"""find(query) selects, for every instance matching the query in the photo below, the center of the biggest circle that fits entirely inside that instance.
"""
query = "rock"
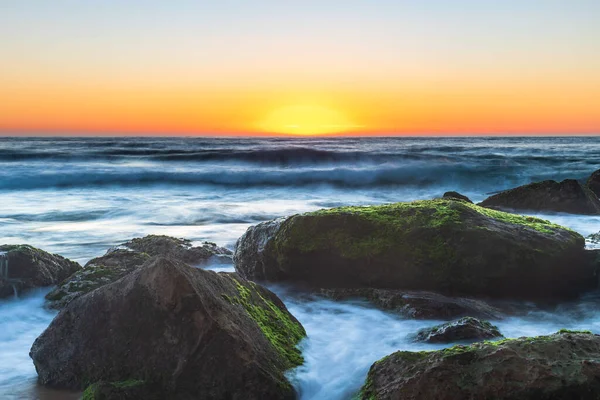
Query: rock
(456, 196)
(593, 183)
(446, 246)
(24, 267)
(464, 329)
(418, 305)
(560, 366)
(184, 331)
(568, 196)
(594, 238)
(97, 272)
(122, 260)
(125, 390)
(181, 249)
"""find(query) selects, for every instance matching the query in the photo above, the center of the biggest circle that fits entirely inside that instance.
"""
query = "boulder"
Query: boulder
(180, 249)
(593, 183)
(464, 329)
(560, 366)
(97, 272)
(568, 196)
(185, 332)
(121, 260)
(456, 196)
(418, 304)
(24, 267)
(446, 246)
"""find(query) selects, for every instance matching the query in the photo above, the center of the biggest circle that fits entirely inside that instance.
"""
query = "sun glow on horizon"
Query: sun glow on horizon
(307, 120)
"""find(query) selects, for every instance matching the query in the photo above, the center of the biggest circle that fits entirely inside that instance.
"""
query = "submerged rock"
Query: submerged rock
(185, 332)
(456, 196)
(447, 246)
(464, 329)
(560, 366)
(568, 196)
(593, 183)
(418, 304)
(124, 259)
(24, 267)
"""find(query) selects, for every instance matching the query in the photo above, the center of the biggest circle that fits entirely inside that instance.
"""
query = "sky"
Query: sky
(299, 67)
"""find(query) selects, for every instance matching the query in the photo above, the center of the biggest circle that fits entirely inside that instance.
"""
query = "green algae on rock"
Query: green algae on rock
(443, 245)
(184, 331)
(122, 260)
(25, 267)
(564, 365)
(97, 272)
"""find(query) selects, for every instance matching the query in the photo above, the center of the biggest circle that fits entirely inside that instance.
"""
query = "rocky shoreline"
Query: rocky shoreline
(146, 321)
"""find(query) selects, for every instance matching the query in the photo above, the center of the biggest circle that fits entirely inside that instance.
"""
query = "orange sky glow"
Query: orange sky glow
(503, 69)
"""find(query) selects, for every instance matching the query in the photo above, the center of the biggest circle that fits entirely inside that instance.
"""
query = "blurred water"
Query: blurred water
(78, 197)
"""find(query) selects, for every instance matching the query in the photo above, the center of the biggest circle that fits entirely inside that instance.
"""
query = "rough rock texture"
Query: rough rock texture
(25, 267)
(125, 390)
(418, 305)
(446, 246)
(464, 329)
(456, 196)
(568, 196)
(192, 333)
(561, 366)
(97, 272)
(122, 260)
(181, 249)
(593, 183)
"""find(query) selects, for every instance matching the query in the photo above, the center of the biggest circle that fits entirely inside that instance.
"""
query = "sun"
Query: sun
(306, 120)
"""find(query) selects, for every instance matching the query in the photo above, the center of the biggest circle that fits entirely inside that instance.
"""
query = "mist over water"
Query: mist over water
(78, 197)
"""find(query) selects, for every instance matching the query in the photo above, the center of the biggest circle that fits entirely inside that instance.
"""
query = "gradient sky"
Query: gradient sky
(240, 67)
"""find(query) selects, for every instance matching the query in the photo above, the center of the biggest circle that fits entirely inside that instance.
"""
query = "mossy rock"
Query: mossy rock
(126, 258)
(25, 267)
(444, 245)
(564, 365)
(187, 332)
(568, 196)
(180, 249)
(97, 272)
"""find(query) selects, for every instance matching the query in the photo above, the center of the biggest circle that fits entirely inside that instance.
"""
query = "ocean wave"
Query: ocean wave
(417, 174)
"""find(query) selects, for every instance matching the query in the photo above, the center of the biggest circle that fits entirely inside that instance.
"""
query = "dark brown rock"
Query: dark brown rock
(192, 333)
(444, 246)
(593, 183)
(24, 267)
(568, 196)
(456, 196)
(418, 305)
(97, 272)
(560, 366)
(465, 329)
(122, 260)
(180, 249)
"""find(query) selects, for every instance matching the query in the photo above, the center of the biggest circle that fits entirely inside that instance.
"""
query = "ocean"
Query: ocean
(79, 196)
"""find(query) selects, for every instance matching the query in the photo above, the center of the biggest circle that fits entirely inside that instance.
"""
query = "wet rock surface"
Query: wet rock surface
(189, 332)
(445, 246)
(24, 267)
(560, 366)
(122, 260)
(464, 329)
(417, 304)
(568, 196)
